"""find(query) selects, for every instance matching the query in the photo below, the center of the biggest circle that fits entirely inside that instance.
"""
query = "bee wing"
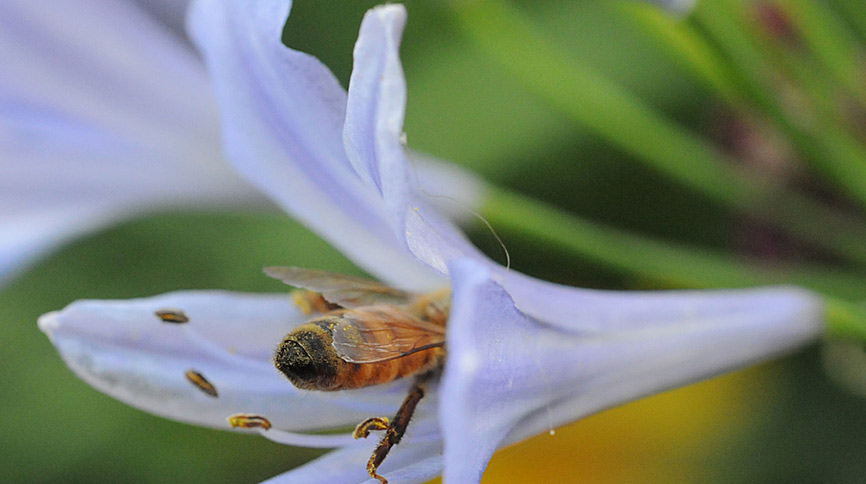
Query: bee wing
(347, 291)
(381, 333)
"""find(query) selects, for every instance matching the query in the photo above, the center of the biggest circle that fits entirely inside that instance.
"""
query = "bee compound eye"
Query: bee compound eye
(294, 362)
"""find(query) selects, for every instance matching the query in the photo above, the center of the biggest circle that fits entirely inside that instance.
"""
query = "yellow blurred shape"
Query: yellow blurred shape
(666, 438)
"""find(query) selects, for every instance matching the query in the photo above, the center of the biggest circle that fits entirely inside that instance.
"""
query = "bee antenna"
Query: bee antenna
(461, 205)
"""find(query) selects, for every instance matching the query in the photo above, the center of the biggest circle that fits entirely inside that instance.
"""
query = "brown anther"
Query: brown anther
(174, 316)
(201, 383)
(249, 421)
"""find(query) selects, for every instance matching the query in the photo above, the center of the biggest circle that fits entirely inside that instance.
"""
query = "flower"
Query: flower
(103, 114)
(524, 355)
(109, 114)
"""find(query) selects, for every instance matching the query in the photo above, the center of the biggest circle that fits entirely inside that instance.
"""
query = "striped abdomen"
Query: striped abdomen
(309, 360)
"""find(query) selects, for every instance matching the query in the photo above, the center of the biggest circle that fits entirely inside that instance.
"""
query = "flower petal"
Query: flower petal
(377, 104)
(509, 376)
(588, 310)
(282, 114)
(373, 138)
(171, 13)
(102, 113)
(408, 463)
(124, 349)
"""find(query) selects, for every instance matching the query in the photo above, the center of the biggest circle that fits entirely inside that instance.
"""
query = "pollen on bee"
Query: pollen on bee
(310, 302)
(174, 316)
(249, 421)
(201, 383)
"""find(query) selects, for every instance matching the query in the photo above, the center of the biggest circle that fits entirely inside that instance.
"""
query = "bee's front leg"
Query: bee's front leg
(394, 429)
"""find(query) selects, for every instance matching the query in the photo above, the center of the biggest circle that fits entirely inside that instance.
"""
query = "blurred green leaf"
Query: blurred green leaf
(591, 100)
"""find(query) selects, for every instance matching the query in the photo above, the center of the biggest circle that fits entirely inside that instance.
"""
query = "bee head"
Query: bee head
(306, 356)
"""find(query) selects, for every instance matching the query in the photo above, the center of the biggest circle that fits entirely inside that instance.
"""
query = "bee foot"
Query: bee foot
(373, 423)
(379, 478)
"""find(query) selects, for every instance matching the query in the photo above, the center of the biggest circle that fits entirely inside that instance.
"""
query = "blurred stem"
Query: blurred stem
(666, 263)
(826, 119)
(624, 120)
(733, 41)
(845, 320)
(826, 146)
(829, 38)
(687, 47)
(855, 13)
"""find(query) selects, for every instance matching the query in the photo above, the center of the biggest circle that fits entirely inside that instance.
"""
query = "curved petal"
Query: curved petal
(282, 115)
(377, 104)
(373, 138)
(509, 376)
(408, 463)
(102, 113)
(123, 349)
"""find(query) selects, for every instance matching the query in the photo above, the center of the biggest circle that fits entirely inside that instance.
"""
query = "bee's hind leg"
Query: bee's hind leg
(394, 429)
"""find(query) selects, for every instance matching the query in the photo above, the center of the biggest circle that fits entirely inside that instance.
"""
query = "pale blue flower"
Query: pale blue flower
(107, 112)
(104, 113)
(524, 355)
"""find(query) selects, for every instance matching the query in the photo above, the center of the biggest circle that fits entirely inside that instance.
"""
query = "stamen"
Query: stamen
(178, 317)
(263, 426)
(222, 353)
(174, 316)
(313, 441)
(201, 382)
(249, 421)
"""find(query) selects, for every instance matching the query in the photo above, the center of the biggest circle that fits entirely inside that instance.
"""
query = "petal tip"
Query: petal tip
(48, 323)
(388, 11)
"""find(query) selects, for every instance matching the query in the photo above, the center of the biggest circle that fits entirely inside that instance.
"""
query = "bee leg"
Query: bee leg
(394, 430)
(373, 423)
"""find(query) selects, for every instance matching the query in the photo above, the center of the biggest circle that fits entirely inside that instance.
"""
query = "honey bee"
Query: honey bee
(369, 334)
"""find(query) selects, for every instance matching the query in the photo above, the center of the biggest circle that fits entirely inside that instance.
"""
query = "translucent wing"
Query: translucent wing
(347, 291)
(380, 333)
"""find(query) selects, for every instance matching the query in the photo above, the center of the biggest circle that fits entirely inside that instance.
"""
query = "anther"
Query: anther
(201, 382)
(174, 316)
(249, 421)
